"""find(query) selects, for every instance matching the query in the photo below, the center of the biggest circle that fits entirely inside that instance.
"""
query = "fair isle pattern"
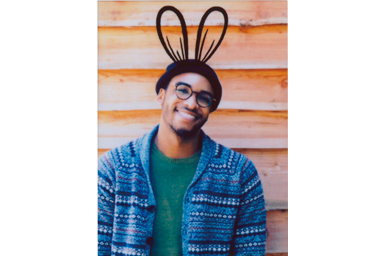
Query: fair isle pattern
(128, 251)
(210, 248)
(216, 200)
(212, 215)
(249, 231)
(223, 208)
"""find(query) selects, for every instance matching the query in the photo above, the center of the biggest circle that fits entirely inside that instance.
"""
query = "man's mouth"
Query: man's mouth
(187, 115)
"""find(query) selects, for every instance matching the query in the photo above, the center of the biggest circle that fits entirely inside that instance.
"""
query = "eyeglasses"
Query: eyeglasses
(184, 92)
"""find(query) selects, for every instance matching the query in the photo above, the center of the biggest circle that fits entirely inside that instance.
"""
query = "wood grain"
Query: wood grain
(272, 166)
(232, 128)
(263, 47)
(242, 89)
(277, 226)
(240, 13)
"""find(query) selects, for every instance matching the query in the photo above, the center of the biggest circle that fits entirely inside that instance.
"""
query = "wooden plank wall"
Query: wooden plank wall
(251, 64)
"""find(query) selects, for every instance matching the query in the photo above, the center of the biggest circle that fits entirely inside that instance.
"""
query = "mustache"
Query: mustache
(194, 111)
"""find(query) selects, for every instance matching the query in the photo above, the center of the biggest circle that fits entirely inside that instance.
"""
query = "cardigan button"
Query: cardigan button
(149, 240)
(151, 208)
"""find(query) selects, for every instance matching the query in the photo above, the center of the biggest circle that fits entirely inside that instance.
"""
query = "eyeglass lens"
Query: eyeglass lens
(184, 92)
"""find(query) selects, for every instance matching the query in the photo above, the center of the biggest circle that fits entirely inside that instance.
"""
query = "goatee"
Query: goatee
(188, 134)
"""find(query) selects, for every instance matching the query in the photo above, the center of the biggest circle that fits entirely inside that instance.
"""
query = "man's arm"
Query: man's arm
(106, 202)
(250, 230)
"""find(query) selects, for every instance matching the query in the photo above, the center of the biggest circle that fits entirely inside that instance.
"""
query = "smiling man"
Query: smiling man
(175, 191)
(185, 108)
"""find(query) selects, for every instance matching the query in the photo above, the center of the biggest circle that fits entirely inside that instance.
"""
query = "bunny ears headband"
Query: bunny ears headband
(181, 62)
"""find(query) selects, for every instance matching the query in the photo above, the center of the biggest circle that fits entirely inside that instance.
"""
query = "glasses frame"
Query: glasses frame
(197, 94)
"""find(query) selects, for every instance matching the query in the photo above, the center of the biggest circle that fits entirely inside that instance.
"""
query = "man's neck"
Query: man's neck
(171, 145)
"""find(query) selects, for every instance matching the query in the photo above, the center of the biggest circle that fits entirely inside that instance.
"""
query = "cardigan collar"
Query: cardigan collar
(207, 150)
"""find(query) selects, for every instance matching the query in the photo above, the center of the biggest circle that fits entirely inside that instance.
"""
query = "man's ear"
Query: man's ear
(161, 96)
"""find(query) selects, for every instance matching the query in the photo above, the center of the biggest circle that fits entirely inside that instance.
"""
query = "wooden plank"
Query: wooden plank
(272, 166)
(232, 128)
(277, 226)
(240, 13)
(242, 89)
(263, 47)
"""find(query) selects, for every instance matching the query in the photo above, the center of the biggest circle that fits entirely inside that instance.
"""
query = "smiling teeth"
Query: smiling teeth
(187, 115)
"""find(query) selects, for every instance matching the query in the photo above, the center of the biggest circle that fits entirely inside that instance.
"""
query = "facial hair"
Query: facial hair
(189, 134)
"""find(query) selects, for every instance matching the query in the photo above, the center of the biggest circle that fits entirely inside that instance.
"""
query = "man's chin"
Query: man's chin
(188, 133)
(185, 133)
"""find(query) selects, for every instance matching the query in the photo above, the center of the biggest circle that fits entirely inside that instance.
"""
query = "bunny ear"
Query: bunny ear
(184, 48)
(199, 50)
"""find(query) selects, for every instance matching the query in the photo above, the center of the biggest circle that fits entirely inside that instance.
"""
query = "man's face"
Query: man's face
(184, 117)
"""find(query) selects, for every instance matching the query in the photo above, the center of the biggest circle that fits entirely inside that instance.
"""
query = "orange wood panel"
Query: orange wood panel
(240, 13)
(277, 226)
(272, 166)
(242, 89)
(232, 128)
(263, 47)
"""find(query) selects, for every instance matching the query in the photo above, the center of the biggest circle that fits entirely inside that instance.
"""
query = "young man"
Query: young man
(175, 191)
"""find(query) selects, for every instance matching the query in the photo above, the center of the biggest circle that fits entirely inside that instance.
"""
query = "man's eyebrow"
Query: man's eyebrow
(179, 83)
(183, 83)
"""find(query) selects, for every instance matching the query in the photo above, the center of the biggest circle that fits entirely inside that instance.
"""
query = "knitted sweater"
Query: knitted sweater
(223, 207)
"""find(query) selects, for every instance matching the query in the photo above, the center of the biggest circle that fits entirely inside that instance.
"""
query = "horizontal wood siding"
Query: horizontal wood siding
(252, 65)
(253, 89)
(277, 226)
(233, 128)
(136, 14)
(263, 47)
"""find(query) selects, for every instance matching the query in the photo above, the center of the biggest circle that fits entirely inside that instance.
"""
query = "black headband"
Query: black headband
(181, 63)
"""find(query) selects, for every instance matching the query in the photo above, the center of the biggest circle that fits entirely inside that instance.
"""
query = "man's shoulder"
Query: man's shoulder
(225, 155)
(132, 149)
(125, 154)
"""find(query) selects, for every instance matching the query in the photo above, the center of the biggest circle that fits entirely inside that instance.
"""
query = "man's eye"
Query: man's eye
(205, 99)
(185, 91)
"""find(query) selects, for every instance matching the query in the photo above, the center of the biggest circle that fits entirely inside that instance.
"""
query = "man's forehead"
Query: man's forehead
(195, 80)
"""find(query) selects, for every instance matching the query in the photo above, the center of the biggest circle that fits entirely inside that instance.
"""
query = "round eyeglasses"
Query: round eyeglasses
(184, 92)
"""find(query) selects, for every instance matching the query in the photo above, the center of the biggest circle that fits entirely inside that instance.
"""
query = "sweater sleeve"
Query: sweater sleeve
(250, 230)
(106, 202)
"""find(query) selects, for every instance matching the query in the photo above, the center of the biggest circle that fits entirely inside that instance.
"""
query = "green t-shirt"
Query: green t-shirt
(170, 179)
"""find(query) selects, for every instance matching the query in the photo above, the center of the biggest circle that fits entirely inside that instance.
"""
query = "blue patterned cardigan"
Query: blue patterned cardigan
(223, 208)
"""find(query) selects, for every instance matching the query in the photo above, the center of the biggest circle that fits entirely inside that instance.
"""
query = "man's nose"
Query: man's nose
(191, 102)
